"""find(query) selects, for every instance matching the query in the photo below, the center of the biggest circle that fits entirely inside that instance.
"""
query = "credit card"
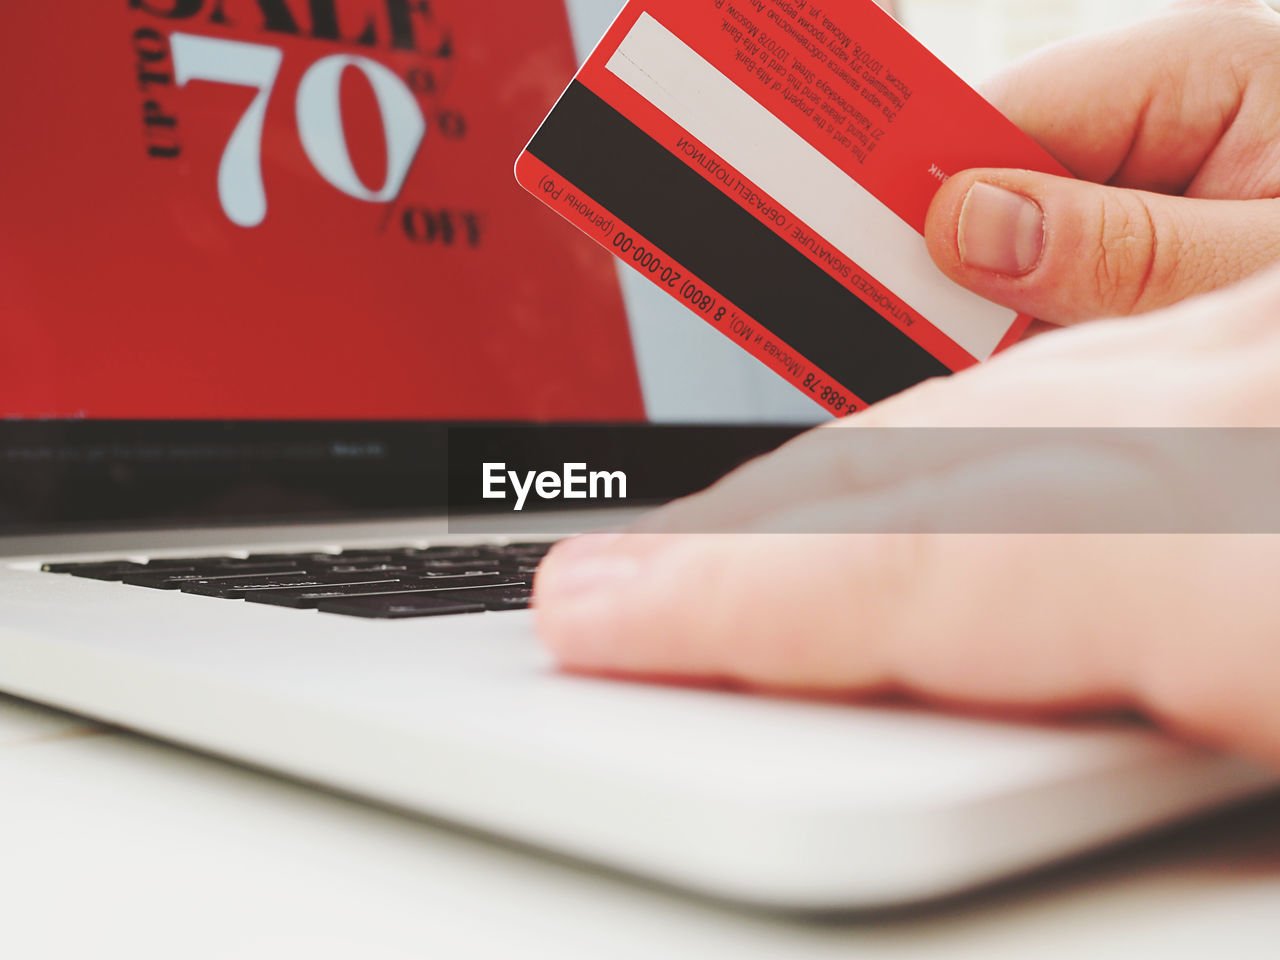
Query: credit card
(770, 164)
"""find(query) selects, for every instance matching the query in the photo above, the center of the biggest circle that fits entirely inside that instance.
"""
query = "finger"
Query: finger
(949, 618)
(1067, 250)
(1057, 482)
(852, 457)
(1144, 106)
(1180, 626)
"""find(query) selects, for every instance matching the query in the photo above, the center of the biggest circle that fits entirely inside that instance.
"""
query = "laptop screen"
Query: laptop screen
(274, 209)
(250, 249)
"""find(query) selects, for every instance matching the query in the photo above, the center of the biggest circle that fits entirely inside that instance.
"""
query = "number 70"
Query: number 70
(319, 116)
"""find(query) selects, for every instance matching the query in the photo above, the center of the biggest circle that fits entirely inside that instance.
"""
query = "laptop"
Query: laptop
(270, 297)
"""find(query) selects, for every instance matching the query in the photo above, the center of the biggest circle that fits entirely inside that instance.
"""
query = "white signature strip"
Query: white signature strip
(664, 70)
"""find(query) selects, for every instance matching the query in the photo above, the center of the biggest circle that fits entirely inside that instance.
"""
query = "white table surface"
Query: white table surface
(115, 846)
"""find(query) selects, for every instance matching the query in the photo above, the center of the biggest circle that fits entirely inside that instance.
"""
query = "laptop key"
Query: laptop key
(340, 560)
(175, 579)
(308, 598)
(121, 572)
(445, 553)
(234, 588)
(519, 569)
(367, 568)
(232, 565)
(102, 566)
(240, 589)
(503, 599)
(401, 606)
(447, 567)
(529, 549)
(166, 563)
(447, 603)
(300, 558)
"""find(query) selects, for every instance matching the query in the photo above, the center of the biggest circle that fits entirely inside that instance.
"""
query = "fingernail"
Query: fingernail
(584, 566)
(1001, 231)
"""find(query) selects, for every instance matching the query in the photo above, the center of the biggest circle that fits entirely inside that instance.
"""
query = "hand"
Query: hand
(1182, 627)
(1180, 117)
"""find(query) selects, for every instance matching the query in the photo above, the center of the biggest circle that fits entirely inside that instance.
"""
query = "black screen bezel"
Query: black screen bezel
(92, 475)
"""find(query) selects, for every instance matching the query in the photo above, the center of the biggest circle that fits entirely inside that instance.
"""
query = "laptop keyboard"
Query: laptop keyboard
(379, 584)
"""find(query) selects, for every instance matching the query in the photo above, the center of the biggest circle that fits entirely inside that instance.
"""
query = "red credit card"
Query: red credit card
(770, 163)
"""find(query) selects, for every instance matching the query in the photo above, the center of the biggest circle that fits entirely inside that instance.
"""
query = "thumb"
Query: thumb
(1068, 250)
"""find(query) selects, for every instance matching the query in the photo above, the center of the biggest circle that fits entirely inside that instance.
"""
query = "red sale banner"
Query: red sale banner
(268, 209)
